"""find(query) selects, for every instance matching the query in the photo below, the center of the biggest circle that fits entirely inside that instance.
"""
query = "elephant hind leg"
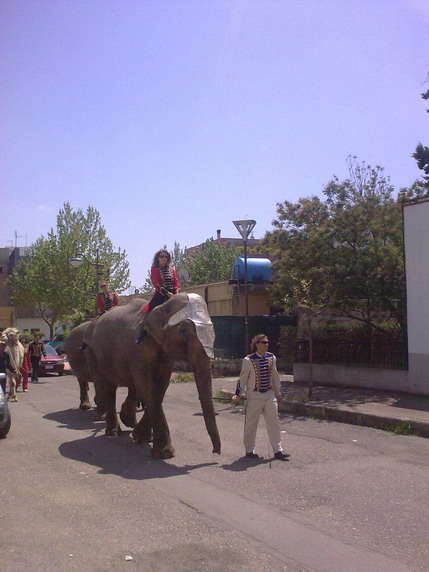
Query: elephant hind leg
(84, 395)
(108, 401)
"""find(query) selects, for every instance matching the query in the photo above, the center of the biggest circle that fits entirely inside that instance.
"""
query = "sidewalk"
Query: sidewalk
(399, 412)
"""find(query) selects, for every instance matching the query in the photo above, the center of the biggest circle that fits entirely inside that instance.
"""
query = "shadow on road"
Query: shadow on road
(73, 418)
(244, 464)
(114, 455)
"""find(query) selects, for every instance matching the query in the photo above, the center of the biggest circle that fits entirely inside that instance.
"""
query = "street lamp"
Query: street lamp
(81, 258)
(245, 227)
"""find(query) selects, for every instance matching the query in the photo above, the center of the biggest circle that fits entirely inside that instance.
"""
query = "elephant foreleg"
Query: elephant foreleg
(157, 386)
(128, 409)
(162, 447)
(143, 430)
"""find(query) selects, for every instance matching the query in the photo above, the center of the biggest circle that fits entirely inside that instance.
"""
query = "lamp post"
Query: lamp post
(80, 259)
(245, 227)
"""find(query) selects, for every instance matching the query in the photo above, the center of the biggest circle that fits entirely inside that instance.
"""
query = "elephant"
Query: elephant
(78, 360)
(179, 329)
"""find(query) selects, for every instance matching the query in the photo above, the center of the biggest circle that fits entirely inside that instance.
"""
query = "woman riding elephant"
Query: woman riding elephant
(179, 329)
(165, 282)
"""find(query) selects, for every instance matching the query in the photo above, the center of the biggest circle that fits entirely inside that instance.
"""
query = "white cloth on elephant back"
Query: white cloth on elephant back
(197, 312)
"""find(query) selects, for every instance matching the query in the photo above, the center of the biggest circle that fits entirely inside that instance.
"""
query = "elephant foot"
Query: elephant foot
(166, 453)
(128, 418)
(142, 437)
(85, 406)
(115, 432)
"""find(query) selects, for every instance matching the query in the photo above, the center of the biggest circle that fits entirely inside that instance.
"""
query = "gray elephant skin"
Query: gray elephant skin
(112, 359)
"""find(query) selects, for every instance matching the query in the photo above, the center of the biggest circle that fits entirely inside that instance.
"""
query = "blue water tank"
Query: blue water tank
(258, 269)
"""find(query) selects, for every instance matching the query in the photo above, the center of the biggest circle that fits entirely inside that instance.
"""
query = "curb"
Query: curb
(402, 425)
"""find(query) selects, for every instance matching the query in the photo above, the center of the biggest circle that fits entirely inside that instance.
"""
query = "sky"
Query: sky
(173, 118)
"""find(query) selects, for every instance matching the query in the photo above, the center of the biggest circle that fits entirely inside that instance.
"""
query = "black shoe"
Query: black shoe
(281, 456)
(252, 455)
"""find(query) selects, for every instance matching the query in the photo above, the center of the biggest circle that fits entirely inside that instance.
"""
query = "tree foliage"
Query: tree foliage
(347, 249)
(213, 262)
(421, 154)
(45, 281)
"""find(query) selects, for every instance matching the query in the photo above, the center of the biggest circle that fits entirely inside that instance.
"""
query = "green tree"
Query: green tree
(421, 154)
(349, 246)
(45, 281)
(213, 262)
(309, 297)
(177, 256)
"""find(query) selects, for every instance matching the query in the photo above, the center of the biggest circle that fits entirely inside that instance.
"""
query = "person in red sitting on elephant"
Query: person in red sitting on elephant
(106, 299)
(165, 282)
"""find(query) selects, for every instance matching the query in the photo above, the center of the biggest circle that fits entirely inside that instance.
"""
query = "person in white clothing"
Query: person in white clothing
(260, 382)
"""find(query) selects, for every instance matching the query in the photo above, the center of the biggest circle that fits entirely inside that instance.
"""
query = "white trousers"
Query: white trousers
(264, 403)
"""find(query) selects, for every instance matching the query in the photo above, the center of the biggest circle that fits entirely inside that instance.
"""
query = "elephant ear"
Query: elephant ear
(158, 319)
(196, 311)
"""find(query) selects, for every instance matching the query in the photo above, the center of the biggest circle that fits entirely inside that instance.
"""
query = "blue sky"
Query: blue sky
(174, 118)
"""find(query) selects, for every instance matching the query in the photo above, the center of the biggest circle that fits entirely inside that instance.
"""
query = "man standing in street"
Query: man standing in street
(260, 381)
(37, 349)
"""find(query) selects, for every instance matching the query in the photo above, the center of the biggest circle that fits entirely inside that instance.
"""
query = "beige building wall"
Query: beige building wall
(224, 299)
(7, 317)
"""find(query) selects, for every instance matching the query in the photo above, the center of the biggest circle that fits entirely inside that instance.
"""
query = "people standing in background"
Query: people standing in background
(36, 349)
(260, 382)
(26, 366)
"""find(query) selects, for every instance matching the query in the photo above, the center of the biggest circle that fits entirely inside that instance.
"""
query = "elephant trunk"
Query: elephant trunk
(203, 379)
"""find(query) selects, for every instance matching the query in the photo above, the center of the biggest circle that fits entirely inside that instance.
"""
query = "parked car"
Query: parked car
(52, 363)
(5, 418)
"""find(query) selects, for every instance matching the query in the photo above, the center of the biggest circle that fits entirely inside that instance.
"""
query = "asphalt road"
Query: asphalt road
(350, 498)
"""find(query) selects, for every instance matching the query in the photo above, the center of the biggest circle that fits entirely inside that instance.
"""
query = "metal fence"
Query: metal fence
(382, 353)
(230, 333)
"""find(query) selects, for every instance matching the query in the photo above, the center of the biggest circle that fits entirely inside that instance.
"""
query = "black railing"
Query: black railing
(382, 353)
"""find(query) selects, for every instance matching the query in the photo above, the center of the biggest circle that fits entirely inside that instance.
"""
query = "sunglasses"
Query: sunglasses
(162, 256)
(264, 342)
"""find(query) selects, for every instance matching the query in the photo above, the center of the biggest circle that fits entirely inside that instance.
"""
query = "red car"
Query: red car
(52, 363)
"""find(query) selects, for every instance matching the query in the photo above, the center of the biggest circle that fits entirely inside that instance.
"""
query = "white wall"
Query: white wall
(416, 235)
(33, 324)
